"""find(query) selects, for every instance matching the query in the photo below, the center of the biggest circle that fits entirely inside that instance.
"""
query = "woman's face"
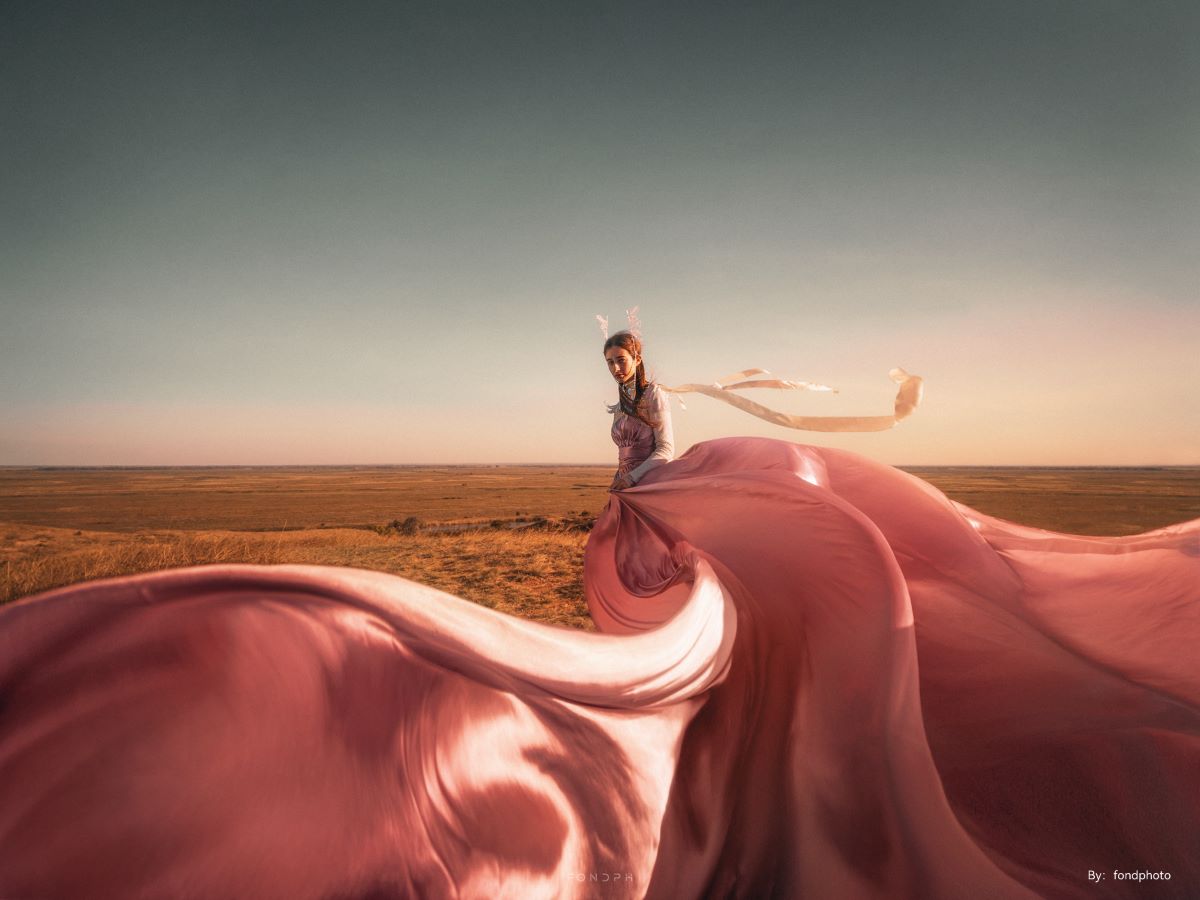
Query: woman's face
(621, 363)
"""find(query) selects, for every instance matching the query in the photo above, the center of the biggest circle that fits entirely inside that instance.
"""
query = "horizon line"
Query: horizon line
(607, 465)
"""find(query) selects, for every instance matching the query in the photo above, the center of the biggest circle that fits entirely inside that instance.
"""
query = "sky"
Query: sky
(293, 233)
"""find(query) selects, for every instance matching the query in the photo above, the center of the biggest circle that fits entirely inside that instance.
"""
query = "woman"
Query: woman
(1052, 718)
(641, 426)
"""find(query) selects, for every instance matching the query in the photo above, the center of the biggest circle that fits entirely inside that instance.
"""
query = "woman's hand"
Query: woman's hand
(620, 482)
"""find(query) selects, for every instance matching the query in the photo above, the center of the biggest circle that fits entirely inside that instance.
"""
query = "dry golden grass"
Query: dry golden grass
(59, 527)
(252, 499)
(532, 573)
(1081, 501)
(1075, 501)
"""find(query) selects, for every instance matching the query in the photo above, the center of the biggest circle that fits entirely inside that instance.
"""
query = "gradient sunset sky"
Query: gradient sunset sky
(277, 233)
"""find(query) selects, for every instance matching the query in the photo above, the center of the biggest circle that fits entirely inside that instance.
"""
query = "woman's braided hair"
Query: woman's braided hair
(631, 344)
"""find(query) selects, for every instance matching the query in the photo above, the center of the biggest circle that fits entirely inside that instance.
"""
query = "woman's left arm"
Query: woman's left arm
(664, 435)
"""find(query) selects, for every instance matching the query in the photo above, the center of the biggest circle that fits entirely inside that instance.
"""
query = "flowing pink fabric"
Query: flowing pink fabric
(818, 677)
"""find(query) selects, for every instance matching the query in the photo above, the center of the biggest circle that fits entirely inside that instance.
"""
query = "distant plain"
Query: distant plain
(523, 551)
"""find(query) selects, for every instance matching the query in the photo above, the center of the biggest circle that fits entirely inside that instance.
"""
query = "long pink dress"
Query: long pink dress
(817, 677)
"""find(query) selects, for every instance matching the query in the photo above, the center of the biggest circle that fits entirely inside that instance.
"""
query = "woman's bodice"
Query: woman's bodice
(642, 447)
(634, 440)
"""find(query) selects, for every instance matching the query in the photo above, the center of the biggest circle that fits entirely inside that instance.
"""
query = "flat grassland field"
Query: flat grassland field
(509, 537)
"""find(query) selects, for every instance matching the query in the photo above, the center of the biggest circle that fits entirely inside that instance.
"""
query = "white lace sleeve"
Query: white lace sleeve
(664, 438)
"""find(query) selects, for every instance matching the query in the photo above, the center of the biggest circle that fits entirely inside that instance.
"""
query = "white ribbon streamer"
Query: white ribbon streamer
(908, 398)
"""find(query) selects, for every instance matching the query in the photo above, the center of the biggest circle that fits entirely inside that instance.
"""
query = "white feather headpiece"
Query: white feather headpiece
(631, 316)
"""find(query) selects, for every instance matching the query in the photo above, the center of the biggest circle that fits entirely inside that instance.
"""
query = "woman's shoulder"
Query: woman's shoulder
(654, 393)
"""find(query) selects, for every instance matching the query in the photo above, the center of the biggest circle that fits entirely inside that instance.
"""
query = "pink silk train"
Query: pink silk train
(817, 677)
